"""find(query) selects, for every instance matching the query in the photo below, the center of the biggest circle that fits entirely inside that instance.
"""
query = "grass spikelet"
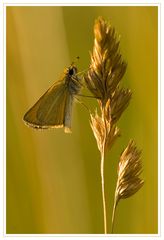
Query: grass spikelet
(129, 170)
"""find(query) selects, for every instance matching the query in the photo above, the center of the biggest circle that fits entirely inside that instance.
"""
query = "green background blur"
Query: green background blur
(53, 178)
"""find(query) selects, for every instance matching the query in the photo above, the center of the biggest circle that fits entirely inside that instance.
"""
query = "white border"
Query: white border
(117, 3)
(3, 5)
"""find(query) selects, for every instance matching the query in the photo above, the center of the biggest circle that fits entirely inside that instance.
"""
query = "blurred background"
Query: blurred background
(53, 178)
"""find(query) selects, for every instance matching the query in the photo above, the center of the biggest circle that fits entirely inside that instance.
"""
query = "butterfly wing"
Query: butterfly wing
(49, 110)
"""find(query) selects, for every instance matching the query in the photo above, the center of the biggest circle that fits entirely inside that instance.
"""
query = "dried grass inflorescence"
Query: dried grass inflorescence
(129, 170)
(103, 77)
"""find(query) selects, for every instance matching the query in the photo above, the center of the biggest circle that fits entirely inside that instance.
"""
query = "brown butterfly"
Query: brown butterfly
(54, 108)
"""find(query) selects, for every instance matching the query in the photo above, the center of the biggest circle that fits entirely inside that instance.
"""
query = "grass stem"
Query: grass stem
(113, 216)
(103, 190)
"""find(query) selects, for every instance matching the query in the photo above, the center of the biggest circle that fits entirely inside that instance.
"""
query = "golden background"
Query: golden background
(53, 178)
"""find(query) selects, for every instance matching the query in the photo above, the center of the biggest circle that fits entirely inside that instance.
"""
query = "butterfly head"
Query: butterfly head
(72, 70)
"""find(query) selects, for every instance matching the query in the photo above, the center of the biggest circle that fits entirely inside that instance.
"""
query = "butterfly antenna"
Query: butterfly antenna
(76, 60)
(81, 72)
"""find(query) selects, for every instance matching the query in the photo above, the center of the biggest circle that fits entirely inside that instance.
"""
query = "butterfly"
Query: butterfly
(54, 107)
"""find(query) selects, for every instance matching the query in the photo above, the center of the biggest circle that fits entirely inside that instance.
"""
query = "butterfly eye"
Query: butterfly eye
(71, 71)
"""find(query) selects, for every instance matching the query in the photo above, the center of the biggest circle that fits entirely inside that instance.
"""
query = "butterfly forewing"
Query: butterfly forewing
(49, 110)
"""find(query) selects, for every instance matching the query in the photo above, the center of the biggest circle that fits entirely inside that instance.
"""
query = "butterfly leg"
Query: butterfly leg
(82, 104)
